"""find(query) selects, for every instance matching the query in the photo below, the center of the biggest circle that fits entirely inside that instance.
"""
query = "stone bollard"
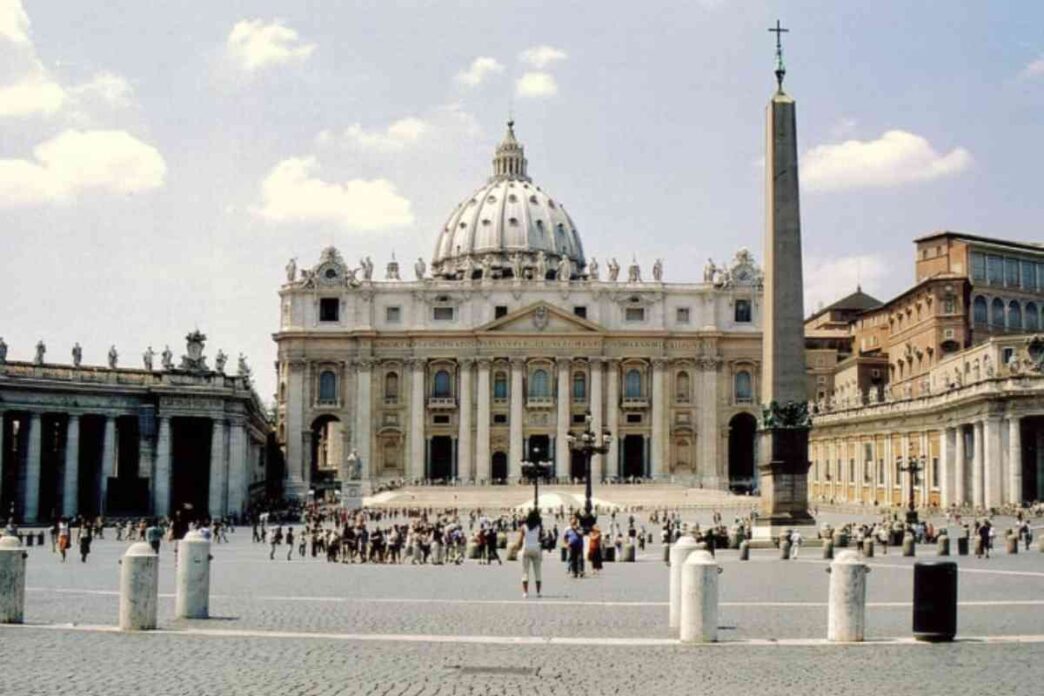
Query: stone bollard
(680, 553)
(868, 547)
(978, 545)
(473, 551)
(828, 549)
(784, 550)
(502, 540)
(744, 549)
(942, 545)
(840, 539)
(630, 552)
(12, 580)
(192, 578)
(909, 548)
(512, 553)
(667, 554)
(846, 622)
(699, 599)
(139, 584)
(1011, 543)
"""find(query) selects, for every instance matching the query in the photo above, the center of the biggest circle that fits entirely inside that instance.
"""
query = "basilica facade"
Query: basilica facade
(496, 351)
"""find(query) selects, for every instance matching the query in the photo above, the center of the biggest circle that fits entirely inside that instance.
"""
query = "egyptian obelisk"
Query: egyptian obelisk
(783, 441)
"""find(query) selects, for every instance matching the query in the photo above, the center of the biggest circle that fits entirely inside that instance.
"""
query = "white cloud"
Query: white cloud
(76, 162)
(14, 22)
(480, 68)
(897, 157)
(1034, 70)
(395, 137)
(536, 84)
(107, 87)
(292, 193)
(828, 279)
(540, 57)
(253, 44)
(31, 96)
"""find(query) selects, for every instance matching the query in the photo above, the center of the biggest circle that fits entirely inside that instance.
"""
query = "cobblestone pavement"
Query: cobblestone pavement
(308, 627)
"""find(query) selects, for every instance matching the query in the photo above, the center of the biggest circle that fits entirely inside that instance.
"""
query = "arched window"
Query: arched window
(979, 310)
(539, 386)
(391, 385)
(1015, 315)
(742, 311)
(579, 386)
(1032, 318)
(441, 385)
(500, 386)
(681, 388)
(633, 384)
(327, 387)
(997, 313)
(744, 388)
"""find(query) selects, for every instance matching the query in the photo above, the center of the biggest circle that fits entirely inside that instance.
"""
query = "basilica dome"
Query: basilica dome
(510, 226)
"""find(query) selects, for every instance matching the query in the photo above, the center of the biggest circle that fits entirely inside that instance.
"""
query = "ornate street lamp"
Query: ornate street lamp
(589, 443)
(535, 471)
(913, 467)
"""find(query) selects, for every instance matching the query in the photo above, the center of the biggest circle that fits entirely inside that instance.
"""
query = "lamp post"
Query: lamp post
(534, 471)
(589, 443)
(913, 467)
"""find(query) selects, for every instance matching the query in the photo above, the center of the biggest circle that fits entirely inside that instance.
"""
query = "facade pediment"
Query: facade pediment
(540, 317)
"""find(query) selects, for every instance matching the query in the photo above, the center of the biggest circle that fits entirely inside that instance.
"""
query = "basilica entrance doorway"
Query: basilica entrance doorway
(577, 470)
(440, 460)
(1032, 463)
(190, 466)
(327, 456)
(633, 465)
(499, 468)
(742, 431)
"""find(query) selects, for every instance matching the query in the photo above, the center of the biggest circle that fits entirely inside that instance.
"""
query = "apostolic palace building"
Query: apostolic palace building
(494, 352)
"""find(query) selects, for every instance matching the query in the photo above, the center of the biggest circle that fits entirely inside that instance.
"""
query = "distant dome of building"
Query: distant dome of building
(507, 227)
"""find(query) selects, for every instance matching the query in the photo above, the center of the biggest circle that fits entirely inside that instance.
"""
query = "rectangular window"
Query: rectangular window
(935, 472)
(329, 309)
(1007, 355)
(499, 311)
(1011, 272)
(440, 420)
(742, 312)
(580, 311)
(851, 471)
(949, 305)
(579, 419)
(682, 315)
(868, 462)
(1029, 275)
(1040, 276)
(634, 418)
(994, 270)
(442, 313)
(499, 418)
(880, 472)
(978, 266)
(634, 314)
(393, 315)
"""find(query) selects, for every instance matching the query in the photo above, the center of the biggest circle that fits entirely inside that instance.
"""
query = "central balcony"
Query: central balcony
(540, 402)
(441, 403)
(634, 402)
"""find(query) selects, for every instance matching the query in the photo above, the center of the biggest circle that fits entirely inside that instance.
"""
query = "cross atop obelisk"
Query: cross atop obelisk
(781, 70)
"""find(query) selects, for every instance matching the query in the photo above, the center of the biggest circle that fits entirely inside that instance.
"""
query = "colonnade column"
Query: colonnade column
(992, 463)
(71, 484)
(905, 473)
(417, 444)
(31, 503)
(659, 437)
(612, 417)
(978, 484)
(515, 423)
(218, 468)
(889, 470)
(1014, 460)
(483, 471)
(363, 431)
(161, 486)
(595, 402)
(108, 461)
(465, 468)
(946, 469)
(562, 452)
(297, 453)
(960, 462)
(237, 467)
(926, 457)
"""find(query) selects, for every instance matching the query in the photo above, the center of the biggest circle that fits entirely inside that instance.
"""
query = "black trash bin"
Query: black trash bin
(565, 554)
(935, 601)
(962, 546)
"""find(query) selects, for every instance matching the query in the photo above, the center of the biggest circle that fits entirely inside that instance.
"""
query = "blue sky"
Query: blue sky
(160, 162)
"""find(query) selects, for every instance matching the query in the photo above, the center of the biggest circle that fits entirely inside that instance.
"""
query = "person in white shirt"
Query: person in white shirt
(795, 543)
(529, 541)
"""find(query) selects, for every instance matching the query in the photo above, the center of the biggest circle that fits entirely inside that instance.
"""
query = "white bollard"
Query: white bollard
(139, 584)
(847, 617)
(679, 554)
(699, 598)
(12, 580)
(192, 579)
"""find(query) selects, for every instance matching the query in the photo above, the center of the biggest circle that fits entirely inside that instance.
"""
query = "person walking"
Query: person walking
(594, 550)
(575, 543)
(289, 543)
(63, 537)
(795, 543)
(273, 541)
(529, 541)
(85, 545)
(153, 535)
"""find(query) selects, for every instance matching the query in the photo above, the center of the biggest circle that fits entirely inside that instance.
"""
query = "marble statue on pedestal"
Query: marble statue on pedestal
(147, 358)
(420, 268)
(614, 269)
(3, 351)
(291, 270)
(592, 269)
(113, 357)
(219, 361)
(41, 350)
(634, 272)
(167, 358)
(658, 270)
(77, 354)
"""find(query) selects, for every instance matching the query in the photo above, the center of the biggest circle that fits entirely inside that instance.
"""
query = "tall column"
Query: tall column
(945, 468)
(595, 403)
(709, 467)
(889, 470)
(31, 502)
(298, 453)
(659, 435)
(237, 468)
(482, 457)
(978, 477)
(363, 431)
(612, 417)
(465, 448)
(926, 458)
(218, 499)
(1014, 460)
(993, 482)
(960, 464)
(161, 486)
(515, 430)
(418, 446)
(562, 400)
(107, 467)
(71, 485)
(904, 478)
